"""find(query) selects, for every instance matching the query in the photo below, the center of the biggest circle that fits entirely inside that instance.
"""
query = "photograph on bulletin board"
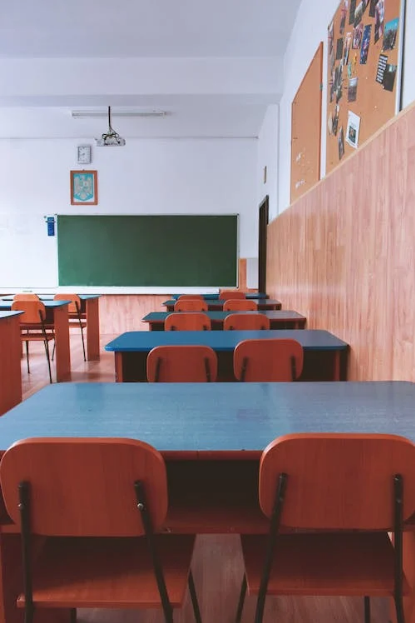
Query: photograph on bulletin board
(364, 47)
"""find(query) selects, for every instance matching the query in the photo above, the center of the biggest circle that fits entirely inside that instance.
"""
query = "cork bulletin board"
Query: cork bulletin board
(306, 129)
(364, 73)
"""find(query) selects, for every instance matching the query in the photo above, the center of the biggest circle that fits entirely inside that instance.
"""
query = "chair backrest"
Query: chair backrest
(34, 311)
(84, 487)
(268, 360)
(75, 304)
(240, 305)
(26, 296)
(338, 481)
(199, 305)
(240, 322)
(224, 295)
(190, 297)
(187, 321)
(182, 364)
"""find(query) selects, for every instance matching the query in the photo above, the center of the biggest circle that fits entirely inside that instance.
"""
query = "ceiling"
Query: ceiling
(219, 30)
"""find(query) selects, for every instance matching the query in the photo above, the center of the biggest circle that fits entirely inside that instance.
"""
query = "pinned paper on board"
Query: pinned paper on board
(353, 127)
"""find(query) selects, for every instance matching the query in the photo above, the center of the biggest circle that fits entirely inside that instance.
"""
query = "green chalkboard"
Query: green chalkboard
(159, 250)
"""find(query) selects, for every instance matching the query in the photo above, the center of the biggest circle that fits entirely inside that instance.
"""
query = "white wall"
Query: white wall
(145, 177)
(309, 30)
(268, 157)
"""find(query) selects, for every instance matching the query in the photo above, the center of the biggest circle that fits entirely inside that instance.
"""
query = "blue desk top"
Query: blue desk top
(221, 340)
(272, 314)
(219, 302)
(49, 297)
(9, 314)
(5, 305)
(211, 416)
(214, 297)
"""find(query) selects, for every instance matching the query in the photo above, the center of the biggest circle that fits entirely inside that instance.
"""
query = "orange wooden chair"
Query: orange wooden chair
(224, 295)
(191, 297)
(268, 360)
(98, 503)
(191, 321)
(251, 322)
(198, 305)
(33, 327)
(182, 364)
(76, 319)
(341, 494)
(26, 296)
(239, 305)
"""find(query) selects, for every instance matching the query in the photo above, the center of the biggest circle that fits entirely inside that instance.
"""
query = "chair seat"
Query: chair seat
(324, 564)
(109, 573)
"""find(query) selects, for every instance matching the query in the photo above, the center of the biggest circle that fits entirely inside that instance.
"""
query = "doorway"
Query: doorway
(262, 244)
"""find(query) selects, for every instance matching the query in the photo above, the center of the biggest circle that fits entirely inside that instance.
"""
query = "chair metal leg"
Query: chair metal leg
(193, 597)
(53, 351)
(83, 341)
(27, 356)
(400, 615)
(48, 358)
(241, 600)
(367, 609)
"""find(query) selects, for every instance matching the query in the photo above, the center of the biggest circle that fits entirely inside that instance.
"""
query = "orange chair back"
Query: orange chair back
(184, 297)
(240, 322)
(75, 301)
(70, 480)
(239, 305)
(224, 295)
(187, 321)
(198, 305)
(182, 364)
(34, 311)
(270, 360)
(338, 481)
(26, 296)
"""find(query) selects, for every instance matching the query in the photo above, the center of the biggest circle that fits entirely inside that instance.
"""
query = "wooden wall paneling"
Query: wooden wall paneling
(344, 254)
(306, 129)
(123, 312)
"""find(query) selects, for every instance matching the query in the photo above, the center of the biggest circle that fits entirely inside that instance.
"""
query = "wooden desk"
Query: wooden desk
(214, 296)
(56, 314)
(217, 304)
(280, 319)
(10, 369)
(89, 311)
(212, 447)
(325, 356)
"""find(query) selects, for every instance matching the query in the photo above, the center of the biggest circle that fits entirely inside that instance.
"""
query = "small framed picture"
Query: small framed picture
(84, 188)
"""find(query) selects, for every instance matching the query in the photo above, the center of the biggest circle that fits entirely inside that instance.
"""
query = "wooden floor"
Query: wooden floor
(217, 562)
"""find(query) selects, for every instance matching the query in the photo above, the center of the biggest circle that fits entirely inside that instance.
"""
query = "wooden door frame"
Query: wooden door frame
(263, 220)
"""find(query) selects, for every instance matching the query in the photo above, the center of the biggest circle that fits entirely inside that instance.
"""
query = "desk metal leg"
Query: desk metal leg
(92, 329)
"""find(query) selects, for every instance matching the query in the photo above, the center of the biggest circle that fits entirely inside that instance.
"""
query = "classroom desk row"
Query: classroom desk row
(279, 319)
(213, 296)
(212, 447)
(325, 355)
(217, 304)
